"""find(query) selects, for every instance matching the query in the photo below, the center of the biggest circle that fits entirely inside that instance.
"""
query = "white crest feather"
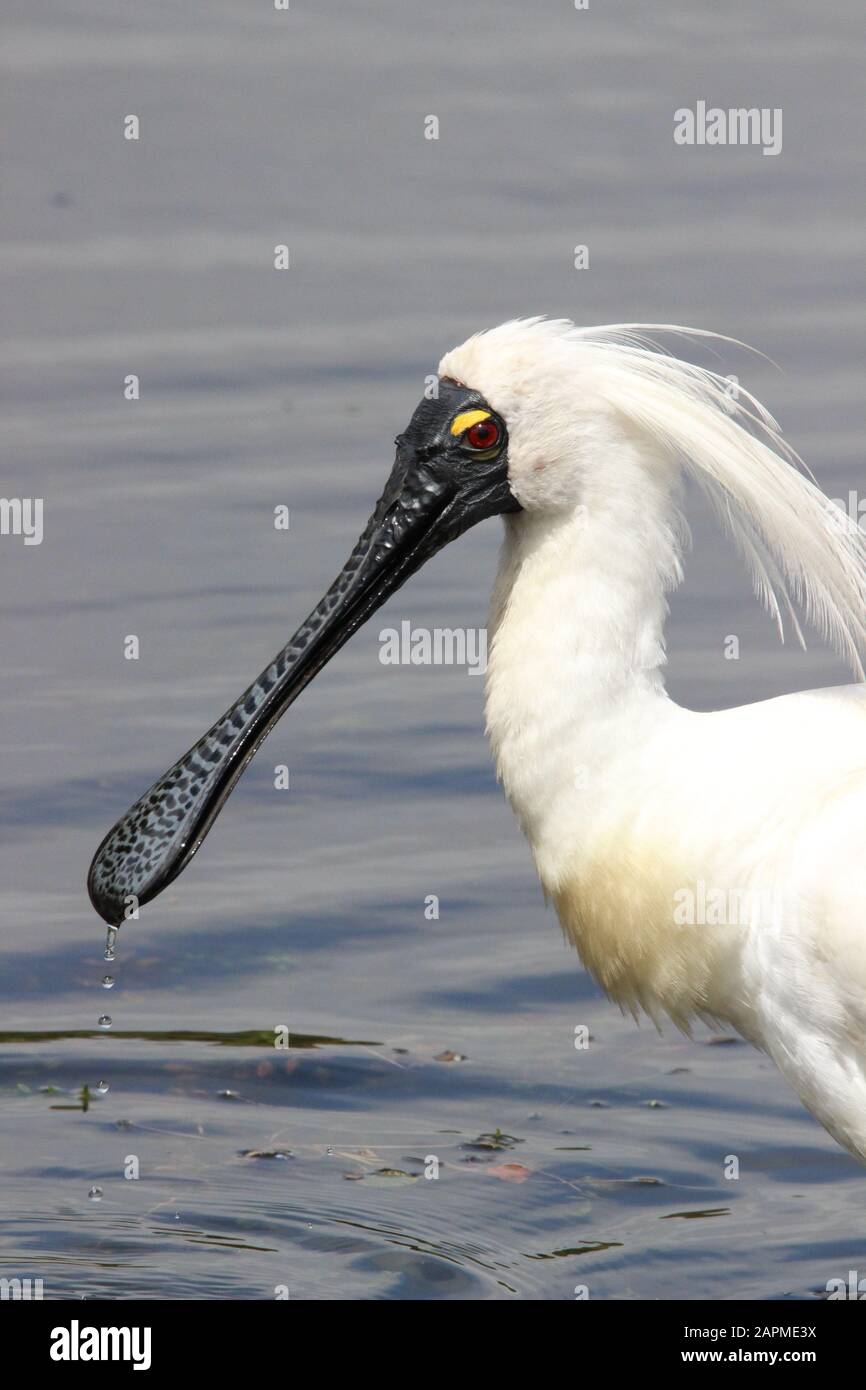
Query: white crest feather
(800, 548)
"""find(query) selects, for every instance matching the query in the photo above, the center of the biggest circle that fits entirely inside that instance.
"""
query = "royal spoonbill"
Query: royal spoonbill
(706, 866)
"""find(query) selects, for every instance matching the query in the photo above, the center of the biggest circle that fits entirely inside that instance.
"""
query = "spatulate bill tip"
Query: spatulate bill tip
(109, 899)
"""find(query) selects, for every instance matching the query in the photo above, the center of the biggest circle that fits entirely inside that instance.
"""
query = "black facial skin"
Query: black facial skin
(438, 488)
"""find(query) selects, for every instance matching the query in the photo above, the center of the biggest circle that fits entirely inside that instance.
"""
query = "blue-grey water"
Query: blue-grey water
(306, 907)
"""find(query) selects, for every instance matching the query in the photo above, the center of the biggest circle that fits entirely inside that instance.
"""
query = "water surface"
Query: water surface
(305, 909)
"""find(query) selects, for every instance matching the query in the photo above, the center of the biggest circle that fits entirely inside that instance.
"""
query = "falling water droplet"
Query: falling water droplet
(108, 982)
(95, 1194)
(110, 938)
(104, 1020)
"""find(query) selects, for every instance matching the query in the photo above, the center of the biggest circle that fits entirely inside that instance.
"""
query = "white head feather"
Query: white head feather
(569, 395)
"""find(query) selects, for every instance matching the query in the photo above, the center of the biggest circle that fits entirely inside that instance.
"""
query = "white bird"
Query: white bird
(705, 866)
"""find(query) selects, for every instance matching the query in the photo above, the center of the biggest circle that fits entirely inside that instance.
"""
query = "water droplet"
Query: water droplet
(110, 938)
(95, 1194)
(108, 982)
(104, 1020)
(101, 1089)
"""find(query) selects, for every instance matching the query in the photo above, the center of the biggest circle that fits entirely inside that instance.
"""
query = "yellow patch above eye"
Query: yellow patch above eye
(469, 417)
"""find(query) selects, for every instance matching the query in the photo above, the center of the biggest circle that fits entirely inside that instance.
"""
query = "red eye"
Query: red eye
(483, 435)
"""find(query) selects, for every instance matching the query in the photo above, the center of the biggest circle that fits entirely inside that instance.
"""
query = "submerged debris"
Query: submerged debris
(382, 1177)
(84, 1097)
(266, 1153)
(509, 1172)
(493, 1141)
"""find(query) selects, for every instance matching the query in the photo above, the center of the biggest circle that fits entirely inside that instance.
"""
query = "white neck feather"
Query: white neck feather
(577, 645)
